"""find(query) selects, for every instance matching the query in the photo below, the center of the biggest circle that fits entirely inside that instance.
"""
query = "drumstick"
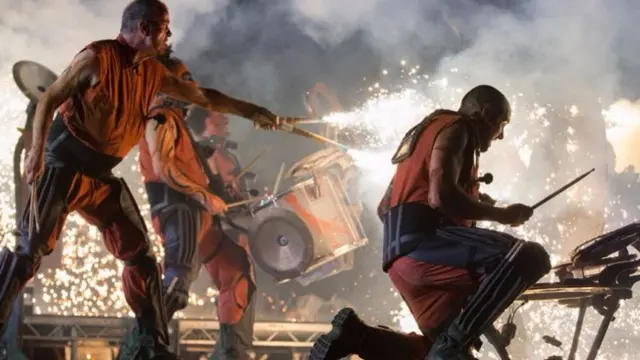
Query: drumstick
(253, 162)
(276, 186)
(309, 121)
(287, 126)
(565, 187)
(311, 135)
(34, 217)
(243, 202)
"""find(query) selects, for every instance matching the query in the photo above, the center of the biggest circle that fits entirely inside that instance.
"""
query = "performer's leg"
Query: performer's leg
(9, 349)
(115, 212)
(231, 272)
(434, 294)
(180, 226)
(522, 267)
(19, 266)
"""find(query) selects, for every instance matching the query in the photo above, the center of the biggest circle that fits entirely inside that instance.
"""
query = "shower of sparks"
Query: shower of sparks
(545, 147)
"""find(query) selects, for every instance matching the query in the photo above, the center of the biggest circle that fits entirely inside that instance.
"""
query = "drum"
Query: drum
(303, 232)
(596, 249)
(564, 292)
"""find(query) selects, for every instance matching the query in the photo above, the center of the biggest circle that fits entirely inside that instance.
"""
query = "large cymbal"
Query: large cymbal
(32, 78)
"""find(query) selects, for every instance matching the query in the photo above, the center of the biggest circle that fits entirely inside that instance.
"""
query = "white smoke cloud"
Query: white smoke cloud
(561, 62)
(53, 31)
(552, 53)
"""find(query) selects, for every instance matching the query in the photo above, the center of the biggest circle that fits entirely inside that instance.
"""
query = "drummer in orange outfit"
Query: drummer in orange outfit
(183, 210)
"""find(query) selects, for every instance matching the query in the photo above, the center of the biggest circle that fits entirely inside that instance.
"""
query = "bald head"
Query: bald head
(491, 111)
(487, 101)
(141, 10)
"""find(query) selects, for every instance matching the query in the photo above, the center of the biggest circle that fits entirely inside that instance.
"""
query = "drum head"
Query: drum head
(319, 160)
(280, 243)
(32, 78)
(546, 291)
(604, 245)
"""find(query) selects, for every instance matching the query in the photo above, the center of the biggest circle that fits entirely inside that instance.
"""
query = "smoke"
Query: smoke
(542, 53)
(560, 62)
(53, 31)
(623, 118)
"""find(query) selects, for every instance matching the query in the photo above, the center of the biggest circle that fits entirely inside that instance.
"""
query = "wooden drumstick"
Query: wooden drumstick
(286, 124)
(34, 217)
(565, 187)
(276, 186)
(248, 167)
(243, 202)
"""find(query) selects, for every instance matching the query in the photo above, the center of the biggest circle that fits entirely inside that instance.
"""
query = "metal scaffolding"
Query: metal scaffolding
(194, 336)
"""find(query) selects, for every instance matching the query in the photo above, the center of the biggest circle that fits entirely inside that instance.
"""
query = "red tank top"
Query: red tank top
(110, 116)
(411, 180)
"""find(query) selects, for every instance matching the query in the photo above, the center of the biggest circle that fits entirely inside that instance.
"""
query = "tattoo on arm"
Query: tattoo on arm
(169, 170)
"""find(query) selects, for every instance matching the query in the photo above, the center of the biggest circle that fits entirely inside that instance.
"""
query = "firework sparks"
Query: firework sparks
(84, 284)
(388, 114)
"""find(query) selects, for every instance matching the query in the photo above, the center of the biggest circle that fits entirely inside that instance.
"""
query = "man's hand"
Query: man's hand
(515, 215)
(34, 164)
(264, 119)
(215, 205)
(486, 199)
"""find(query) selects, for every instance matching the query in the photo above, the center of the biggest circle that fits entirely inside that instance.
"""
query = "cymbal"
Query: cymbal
(32, 78)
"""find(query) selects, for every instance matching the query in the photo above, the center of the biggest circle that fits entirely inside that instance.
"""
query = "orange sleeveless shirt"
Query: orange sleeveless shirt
(110, 117)
(173, 133)
(411, 180)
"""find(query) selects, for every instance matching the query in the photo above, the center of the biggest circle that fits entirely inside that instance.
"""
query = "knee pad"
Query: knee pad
(531, 260)
(523, 266)
(180, 226)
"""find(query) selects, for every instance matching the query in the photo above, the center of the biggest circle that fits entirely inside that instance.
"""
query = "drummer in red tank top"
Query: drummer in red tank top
(103, 99)
(455, 278)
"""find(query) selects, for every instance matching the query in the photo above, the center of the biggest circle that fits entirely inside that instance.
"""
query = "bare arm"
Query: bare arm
(445, 194)
(161, 140)
(487, 199)
(211, 99)
(81, 72)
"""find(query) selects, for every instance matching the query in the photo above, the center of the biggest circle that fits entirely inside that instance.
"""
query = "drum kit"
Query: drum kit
(600, 275)
(309, 231)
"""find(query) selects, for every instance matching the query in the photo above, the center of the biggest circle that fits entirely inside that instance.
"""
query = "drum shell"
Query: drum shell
(331, 229)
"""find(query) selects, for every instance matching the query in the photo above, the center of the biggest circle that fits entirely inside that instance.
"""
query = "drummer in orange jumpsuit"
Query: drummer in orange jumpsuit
(183, 210)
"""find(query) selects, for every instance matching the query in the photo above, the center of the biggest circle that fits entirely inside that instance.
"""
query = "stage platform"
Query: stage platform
(78, 334)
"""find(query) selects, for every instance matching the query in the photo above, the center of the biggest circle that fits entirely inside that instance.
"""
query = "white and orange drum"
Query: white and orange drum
(310, 231)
